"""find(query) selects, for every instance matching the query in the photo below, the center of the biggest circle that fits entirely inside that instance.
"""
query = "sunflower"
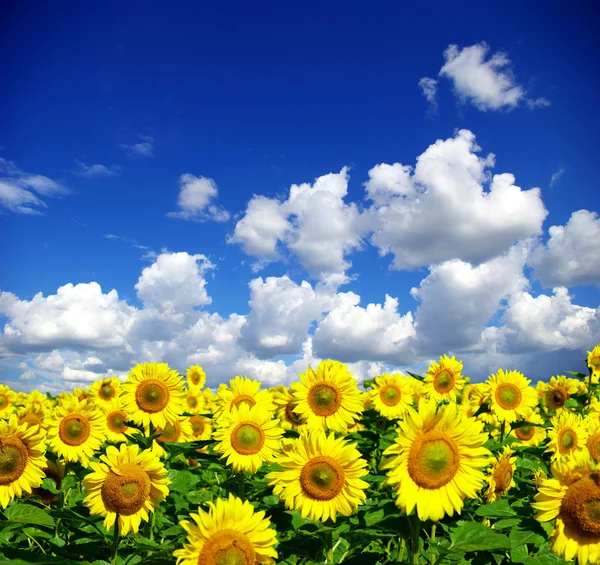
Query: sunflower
(38, 401)
(510, 395)
(126, 483)
(572, 497)
(392, 395)
(56, 472)
(114, 422)
(593, 363)
(285, 402)
(241, 390)
(532, 433)
(444, 380)
(76, 430)
(22, 459)
(7, 401)
(500, 477)
(82, 394)
(153, 394)
(33, 415)
(328, 398)
(558, 391)
(321, 476)
(436, 461)
(201, 427)
(593, 441)
(105, 390)
(195, 377)
(567, 435)
(230, 533)
(179, 431)
(248, 437)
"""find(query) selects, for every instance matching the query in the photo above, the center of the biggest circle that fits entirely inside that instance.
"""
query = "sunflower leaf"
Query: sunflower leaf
(27, 514)
(498, 509)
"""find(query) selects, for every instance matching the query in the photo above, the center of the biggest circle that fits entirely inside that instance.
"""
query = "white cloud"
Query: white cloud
(556, 177)
(96, 171)
(144, 148)
(195, 200)
(443, 210)
(28, 375)
(570, 256)
(429, 88)
(488, 84)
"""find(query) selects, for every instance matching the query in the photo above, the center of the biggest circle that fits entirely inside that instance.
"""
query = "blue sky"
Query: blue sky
(136, 137)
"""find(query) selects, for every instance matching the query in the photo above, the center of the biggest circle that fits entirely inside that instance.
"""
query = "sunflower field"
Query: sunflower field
(432, 469)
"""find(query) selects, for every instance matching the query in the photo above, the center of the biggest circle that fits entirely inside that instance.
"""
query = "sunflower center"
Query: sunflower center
(593, 445)
(115, 422)
(13, 459)
(556, 398)
(525, 433)
(107, 391)
(324, 399)
(390, 395)
(227, 547)
(126, 492)
(169, 434)
(508, 396)
(152, 396)
(580, 507)
(3, 401)
(198, 425)
(247, 438)
(46, 496)
(567, 441)
(32, 419)
(74, 429)
(433, 459)
(291, 415)
(444, 381)
(322, 478)
(243, 399)
(503, 475)
(195, 378)
(595, 362)
(192, 401)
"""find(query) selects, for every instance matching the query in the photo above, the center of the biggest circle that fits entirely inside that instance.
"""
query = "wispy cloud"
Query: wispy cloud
(556, 177)
(143, 148)
(429, 88)
(96, 171)
(149, 253)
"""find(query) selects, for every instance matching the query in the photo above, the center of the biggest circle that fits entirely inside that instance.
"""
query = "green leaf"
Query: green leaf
(27, 514)
(498, 509)
(571, 403)
(49, 484)
(374, 517)
(543, 559)
(473, 536)
(519, 538)
(297, 520)
(506, 523)
(182, 481)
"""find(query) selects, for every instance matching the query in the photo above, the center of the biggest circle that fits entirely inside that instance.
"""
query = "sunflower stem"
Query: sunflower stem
(590, 386)
(502, 431)
(431, 540)
(152, 522)
(416, 534)
(115, 542)
(242, 485)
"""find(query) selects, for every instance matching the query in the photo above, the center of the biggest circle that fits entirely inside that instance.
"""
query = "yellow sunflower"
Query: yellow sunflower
(114, 422)
(567, 435)
(38, 401)
(33, 415)
(153, 394)
(7, 401)
(500, 477)
(195, 377)
(418, 389)
(76, 430)
(179, 431)
(285, 402)
(533, 434)
(444, 380)
(593, 363)
(572, 497)
(126, 483)
(321, 476)
(392, 395)
(328, 398)
(436, 461)
(22, 460)
(230, 533)
(510, 395)
(248, 437)
(104, 391)
(592, 425)
(241, 390)
(201, 427)
(82, 394)
(558, 391)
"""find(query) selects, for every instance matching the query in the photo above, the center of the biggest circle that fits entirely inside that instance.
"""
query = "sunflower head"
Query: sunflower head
(592, 425)
(531, 432)
(201, 427)
(103, 391)
(195, 377)
(7, 400)
(593, 363)
(500, 477)
(56, 472)
(568, 435)
(179, 431)
(444, 379)
(286, 404)
(391, 395)
(115, 419)
(510, 395)
(241, 391)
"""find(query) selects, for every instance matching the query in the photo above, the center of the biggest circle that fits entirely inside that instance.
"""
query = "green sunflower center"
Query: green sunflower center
(324, 399)
(227, 547)
(116, 422)
(192, 401)
(525, 433)
(433, 459)
(126, 493)
(390, 395)
(580, 507)
(74, 429)
(13, 459)
(107, 391)
(3, 401)
(444, 381)
(170, 433)
(322, 478)
(508, 396)
(247, 438)
(567, 441)
(152, 396)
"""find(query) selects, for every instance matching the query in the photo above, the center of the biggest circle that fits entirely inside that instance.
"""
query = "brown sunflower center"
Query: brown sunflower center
(324, 399)
(152, 396)
(508, 396)
(4, 402)
(115, 422)
(444, 381)
(291, 415)
(322, 478)
(580, 507)
(567, 441)
(556, 397)
(107, 391)
(195, 377)
(593, 445)
(247, 438)
(13, 459)
(390, 395)
(525, 433)
(126, 492)
(595, 363)
(31, 418)
(74, 429)
(503, 475)
(227, 547)
(198, 425)
(433, 459)
(169, 434)
(192, 401)
(243, 399)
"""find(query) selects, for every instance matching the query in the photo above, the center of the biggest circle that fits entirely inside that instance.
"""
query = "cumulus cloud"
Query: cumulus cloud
(143, 148)
(195, 200)
(429, 88)
(96, 171)
(442, 210)
(488, 83)
(570, 256)
(18, 189)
